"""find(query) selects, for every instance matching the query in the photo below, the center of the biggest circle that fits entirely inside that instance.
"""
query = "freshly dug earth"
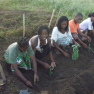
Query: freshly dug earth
(70, 77)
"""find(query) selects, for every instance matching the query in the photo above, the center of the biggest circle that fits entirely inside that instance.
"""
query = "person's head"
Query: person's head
(43, 32)
(63, 23)
(91, 15)
(23, 44)
(78, 18)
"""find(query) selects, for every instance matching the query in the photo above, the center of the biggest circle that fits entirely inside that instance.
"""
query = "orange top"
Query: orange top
(73, 27)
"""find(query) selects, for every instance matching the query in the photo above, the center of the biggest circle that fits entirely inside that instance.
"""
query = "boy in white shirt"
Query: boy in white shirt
(87, 25)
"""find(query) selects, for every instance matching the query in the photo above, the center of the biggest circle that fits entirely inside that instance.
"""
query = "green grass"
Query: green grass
(69, 7)
(37, 12)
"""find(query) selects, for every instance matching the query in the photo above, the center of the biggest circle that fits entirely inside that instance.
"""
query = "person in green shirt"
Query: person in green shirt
(21, 55)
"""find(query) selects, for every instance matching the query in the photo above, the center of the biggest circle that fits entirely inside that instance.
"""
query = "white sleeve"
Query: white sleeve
(70, 34)
(90, 27)
(29, 43)
(54, 34)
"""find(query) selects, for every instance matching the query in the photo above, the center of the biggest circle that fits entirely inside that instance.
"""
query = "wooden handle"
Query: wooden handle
(58, 15)
(51, 18)
(23, 25)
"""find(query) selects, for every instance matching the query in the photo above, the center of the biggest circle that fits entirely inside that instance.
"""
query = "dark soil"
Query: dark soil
(70, 77)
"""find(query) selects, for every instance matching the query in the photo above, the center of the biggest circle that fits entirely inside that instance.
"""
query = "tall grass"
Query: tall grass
(39, 13)
(69, 7)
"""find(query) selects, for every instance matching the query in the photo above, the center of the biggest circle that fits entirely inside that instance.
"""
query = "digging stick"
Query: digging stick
(58, 15)
(51, 18)
(23, 25)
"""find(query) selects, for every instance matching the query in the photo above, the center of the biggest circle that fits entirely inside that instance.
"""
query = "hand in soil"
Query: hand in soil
(51, 71)
(36, 78)
(89, 39)
(28, 83)
(53, 64)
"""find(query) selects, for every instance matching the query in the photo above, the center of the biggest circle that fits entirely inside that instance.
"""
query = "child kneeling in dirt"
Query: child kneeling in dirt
(19, 55)
(76, 32)
(41, 45)
(87, 26)
(61, 35)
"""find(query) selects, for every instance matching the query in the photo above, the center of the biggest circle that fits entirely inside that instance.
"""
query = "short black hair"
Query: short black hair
(79, 14)
(43, 27)
(23, 42)
(62, 19)
(91, 15)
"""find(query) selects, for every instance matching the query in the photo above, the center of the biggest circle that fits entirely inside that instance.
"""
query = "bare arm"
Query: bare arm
(55, 44)
(20, 75)
(80, 33)
(74, 42)
(39, 61)
(53, 64)
(50, 53)
(36, 78)
(51, 57)
(84, 35)
(65, 53)
(34, 64)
